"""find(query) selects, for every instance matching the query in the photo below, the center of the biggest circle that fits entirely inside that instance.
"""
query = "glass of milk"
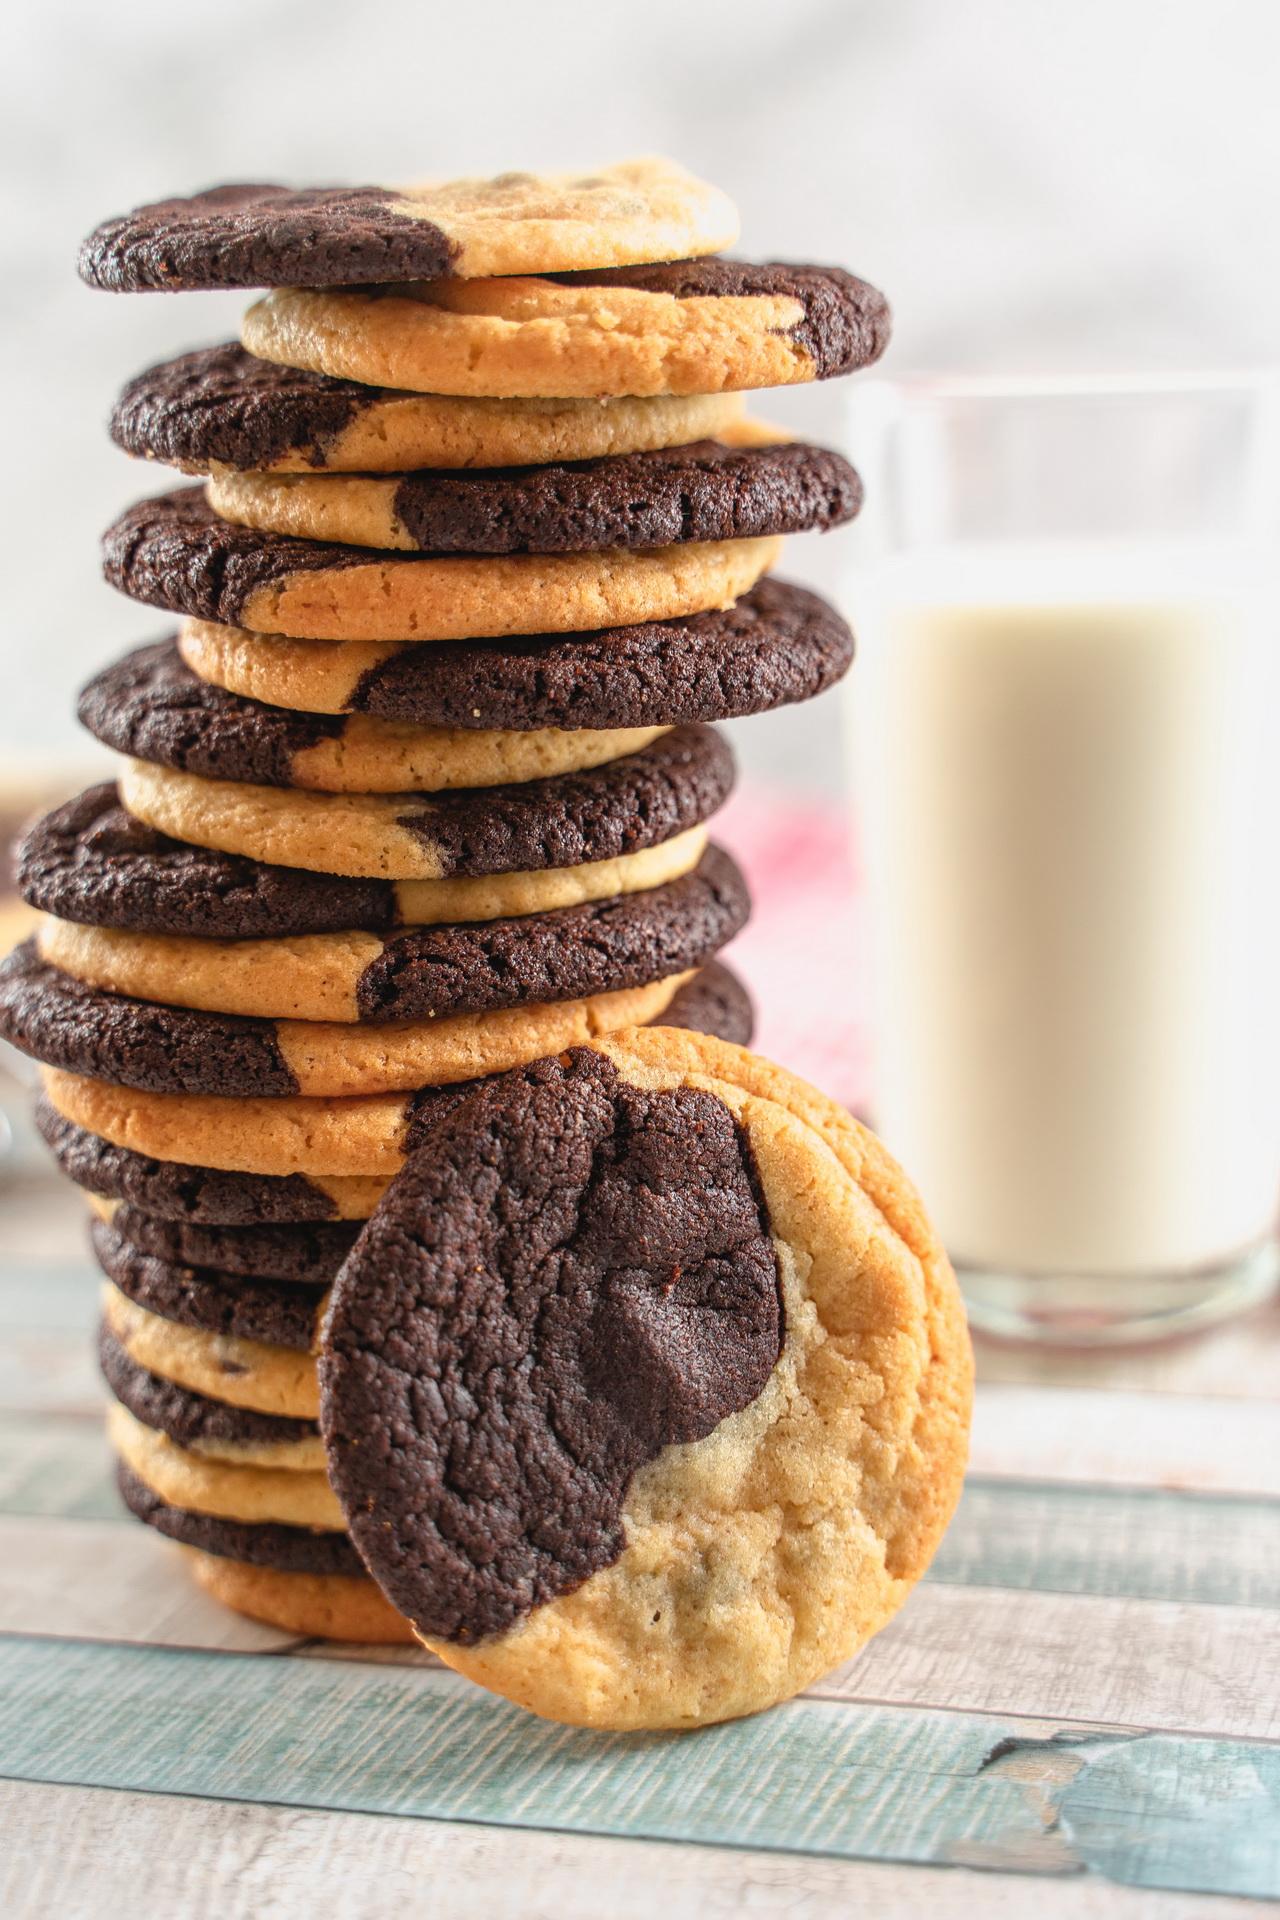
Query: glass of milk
(1065, 721)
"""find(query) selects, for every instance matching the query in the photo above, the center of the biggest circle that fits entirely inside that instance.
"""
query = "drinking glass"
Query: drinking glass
(1065, 721)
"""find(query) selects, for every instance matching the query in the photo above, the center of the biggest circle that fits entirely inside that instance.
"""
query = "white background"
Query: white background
(1036, 183)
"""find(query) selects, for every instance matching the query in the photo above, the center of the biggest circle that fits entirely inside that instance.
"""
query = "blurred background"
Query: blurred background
(1034, 185)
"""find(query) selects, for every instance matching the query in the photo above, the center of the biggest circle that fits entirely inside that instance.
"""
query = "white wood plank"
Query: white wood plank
(88, 1852)
(100, 1580)
(1238, 1361)
(1127, 1439)
(1156, 1665)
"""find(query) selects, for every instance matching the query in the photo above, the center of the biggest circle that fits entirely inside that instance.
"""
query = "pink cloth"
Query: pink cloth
(802, 955)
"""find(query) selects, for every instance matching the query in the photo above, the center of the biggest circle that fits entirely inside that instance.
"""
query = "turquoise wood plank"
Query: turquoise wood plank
(56, 1466)
(1114, 1542)
(812, 1777)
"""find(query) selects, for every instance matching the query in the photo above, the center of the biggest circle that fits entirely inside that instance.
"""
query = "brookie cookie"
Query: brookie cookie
(776, 645)
(173, 1050)
(269, 236)
(305, 1582)
(689, 326)
(91, 862)
(252, 1495)
(221, 407)
(255, 1375)
(325, 1138)
(567, 820)
(203, 1425)
(173, 551)
(422, 973)
(309, 1254)
(714, 1001)
(279, 1313)
(707, 491)
(646, 1391)
(152, 706)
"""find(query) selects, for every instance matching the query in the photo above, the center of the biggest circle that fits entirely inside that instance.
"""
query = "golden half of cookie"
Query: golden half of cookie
(692, 326)
(646, 1392)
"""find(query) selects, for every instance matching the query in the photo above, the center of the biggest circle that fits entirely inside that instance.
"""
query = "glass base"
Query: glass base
(1072, 1310)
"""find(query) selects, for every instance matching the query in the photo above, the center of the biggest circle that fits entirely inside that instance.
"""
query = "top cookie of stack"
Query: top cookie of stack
(419, 790)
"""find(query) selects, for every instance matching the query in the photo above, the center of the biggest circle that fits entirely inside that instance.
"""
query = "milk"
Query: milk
(1069, 795)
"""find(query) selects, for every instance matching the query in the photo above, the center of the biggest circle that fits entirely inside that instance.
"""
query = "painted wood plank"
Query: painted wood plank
(1112, 1541)
(1240, 1360)
(811, 1777)
(87, 1851)
(98, 1580)
(1118, 1541)
(1132, 1663)
(1126, 1439)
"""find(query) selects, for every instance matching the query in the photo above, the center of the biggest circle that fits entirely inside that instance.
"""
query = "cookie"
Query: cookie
(92, 862)
(173, 551)
(776, 645)
(202, 1425)
(706, 491)
(252, 1374)
(568, 820)
(277, 1313)
(317, 1606)
(341, 1133)
(692, 326)
(307, 1253)
(184, 1191)
(646, 1391)
(291, 1549)
(152, 706)
(283, 1496)
(714, 1001)
(274, 236)
(364, 977)
(221, 407)
(175, 1051)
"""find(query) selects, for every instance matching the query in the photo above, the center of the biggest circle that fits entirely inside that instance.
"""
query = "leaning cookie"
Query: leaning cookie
(173, 551)
(707, 491)
(221, 407)
(646, 1392)
(567, 820)
(775, 645)
(187, 1193)
(151, 706)
(269, 236)
(689, 326)
(47, 984)
(91, 862)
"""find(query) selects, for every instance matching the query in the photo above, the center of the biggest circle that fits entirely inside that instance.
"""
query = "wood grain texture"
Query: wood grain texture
(915, 1787)
(1126, 1439)
(89, 1850)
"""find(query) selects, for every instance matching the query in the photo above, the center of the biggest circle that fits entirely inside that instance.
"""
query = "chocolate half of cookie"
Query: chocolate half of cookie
(276, 1313)
(578, 1274)
(845, 322)
(703, 491)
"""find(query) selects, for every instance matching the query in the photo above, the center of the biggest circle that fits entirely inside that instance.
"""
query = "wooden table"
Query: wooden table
(1077, 1713)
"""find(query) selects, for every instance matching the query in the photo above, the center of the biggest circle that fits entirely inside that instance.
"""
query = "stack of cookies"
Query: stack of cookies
(419, 790)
